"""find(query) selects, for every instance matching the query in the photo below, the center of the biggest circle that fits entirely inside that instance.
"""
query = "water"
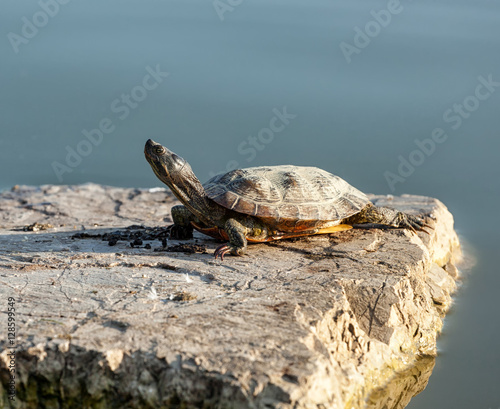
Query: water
(228, 78)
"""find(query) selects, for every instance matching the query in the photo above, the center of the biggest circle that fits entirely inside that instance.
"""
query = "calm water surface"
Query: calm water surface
(355, 112)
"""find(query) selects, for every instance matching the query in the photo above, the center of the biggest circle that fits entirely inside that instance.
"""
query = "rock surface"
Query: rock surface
(317, 322)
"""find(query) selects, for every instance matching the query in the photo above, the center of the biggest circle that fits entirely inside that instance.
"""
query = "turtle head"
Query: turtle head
(165, 163)
(176, 173)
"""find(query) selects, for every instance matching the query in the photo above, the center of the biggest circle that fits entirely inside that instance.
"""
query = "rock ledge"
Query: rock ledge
(347, 320)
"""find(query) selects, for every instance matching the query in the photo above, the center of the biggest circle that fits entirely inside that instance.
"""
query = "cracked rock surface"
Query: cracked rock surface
(347, 320)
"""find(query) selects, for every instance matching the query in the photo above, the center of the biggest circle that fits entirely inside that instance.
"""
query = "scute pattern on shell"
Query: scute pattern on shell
(286, 193)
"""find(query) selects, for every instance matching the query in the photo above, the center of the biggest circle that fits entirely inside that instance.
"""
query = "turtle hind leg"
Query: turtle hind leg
(388, 217)
(237, 239)
(182, 228)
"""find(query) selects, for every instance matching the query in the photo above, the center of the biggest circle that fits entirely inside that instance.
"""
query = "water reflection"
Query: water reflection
(403, 387)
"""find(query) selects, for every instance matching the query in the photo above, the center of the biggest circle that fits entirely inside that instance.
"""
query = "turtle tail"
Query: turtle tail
(388, 217)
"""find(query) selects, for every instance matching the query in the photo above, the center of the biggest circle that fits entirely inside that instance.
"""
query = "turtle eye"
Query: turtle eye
(159, 150)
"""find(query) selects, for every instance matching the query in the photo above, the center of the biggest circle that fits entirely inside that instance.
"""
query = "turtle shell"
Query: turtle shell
(286, 194)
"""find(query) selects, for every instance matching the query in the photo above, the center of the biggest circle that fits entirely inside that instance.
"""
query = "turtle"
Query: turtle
(266, 203)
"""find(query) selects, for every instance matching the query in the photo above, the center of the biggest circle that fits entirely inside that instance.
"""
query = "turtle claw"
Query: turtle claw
(222, 251)
(426, 227)
(415, 224)
(228, 248)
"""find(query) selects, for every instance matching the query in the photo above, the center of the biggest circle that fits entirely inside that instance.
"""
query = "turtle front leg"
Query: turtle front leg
(389, 217)
(182, 228)
(237, 239)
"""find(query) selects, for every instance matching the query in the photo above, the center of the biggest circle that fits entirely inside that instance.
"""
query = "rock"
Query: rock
(334, 321)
